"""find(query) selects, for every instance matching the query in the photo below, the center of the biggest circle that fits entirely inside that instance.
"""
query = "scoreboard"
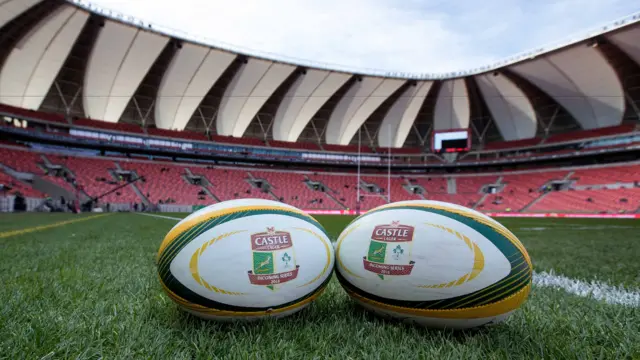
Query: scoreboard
(451, 141)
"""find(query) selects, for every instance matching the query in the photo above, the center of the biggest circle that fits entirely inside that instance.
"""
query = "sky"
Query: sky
(418, 36)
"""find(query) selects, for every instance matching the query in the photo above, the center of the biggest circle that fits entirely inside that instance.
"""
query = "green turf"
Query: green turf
(89, 290)
(9, 222)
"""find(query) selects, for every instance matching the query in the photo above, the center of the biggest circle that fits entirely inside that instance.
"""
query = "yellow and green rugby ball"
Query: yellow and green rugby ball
(437, 264)
(245, 259)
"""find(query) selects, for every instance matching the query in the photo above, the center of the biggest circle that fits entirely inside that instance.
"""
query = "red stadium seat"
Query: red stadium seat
(18, 187)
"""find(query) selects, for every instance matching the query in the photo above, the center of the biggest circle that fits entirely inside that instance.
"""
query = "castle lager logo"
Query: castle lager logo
(273, 258)
(390, 250)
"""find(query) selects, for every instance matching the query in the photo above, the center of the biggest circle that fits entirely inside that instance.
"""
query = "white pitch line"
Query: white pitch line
(574, 228)
(161, 216)
(594, 289)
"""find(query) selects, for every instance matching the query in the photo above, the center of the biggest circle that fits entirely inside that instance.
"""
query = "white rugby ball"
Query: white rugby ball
(437, 264)
(245, 259)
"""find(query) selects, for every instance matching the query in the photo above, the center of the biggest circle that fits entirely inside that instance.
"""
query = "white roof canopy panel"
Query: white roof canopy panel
(582, 81)
(121, 57)
(397, 123)
(452, 106)
(303, 100)
(31, 69)
(362, 99)
(627, 41)
(11, 9)
(192, 72)
(251, 87)
(509, 106)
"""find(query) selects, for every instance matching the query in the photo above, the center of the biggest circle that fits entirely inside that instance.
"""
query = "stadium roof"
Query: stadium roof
(88, 62)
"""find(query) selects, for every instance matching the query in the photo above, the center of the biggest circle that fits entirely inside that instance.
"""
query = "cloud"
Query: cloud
(407, 35)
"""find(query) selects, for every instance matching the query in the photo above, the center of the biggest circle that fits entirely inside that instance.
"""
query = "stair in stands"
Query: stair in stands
(534, 201)
(81, 192)
(330, 196)
(132, 186)
(328, 193)
(210, 193)
(51, 188)
(408, 185)
(479, 202)
(205, 184)
(539, 198)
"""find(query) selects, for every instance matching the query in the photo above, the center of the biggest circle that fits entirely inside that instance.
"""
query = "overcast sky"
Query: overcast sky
(395, 35)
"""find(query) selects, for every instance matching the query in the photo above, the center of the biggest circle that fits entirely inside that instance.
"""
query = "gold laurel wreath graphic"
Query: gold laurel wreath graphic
(327, 250)
(339, 242)
(478, 260)
(193, 265)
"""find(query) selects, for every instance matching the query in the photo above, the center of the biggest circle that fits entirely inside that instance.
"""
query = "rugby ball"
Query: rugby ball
(433, 263)
(245, 259)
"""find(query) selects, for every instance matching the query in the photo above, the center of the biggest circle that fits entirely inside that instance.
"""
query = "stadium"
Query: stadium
(113, 129)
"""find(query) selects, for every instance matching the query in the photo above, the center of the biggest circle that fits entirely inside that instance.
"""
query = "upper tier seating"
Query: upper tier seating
(513, 144)
(408, 150)
(237, 141)
(586, 134)
(294, 145)
(187, 135)
(136, 129)
(58, 118)
(347, 148)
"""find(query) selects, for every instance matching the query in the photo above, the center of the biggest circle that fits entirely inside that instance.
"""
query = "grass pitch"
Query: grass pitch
(89, 290)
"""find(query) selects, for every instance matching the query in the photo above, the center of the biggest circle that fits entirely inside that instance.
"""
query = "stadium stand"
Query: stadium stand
(587, 134)
(122, 127)
(520, 190)
(587, 190)
(291, 188)
(294, 145)
(347, 148)
(21, 160)
(590, 201)
(547, 131)
(166, 184)
(31, 114)
(186, 135)
(95, 177)
(237, 141)
(514, 144)
(598, 176)
(9, 186)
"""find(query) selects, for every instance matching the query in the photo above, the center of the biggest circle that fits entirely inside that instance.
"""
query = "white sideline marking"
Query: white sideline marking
(594, 289)
(161, 216)
(573, 227)
(601, 227)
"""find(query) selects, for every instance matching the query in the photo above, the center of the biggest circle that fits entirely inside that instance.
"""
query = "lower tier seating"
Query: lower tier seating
(169, 183)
